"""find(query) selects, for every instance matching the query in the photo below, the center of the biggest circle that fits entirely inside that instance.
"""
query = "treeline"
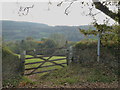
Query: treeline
(12, 30)
(29, 43)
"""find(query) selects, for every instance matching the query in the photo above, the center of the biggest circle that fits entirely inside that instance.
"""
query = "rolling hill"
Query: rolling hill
(16, 30)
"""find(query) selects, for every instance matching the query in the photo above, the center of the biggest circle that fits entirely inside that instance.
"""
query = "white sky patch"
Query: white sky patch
(54, 16)
(40, 0)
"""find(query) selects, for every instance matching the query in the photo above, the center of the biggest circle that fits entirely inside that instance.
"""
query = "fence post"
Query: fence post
(67, 56)
(22, 58)
(34, 52)
(98, 47)
(67, 52)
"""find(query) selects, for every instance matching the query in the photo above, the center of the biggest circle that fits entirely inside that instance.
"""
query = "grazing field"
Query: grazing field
(45, 64)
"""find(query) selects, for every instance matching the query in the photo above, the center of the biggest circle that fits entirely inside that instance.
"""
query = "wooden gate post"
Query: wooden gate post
(22, 58)
(34, 51)
(67, 53)
(98, 46)
(67, 57)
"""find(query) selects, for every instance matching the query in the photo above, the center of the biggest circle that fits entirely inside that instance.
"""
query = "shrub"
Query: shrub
(86, 52)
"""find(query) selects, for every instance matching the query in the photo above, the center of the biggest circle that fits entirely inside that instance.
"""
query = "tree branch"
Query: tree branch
(119, 12)
(66, 10)
(24, 10)
(105, 10)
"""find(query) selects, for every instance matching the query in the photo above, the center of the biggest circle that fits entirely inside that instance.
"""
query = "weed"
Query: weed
(78, 74)
(11, 82)
(69, 80)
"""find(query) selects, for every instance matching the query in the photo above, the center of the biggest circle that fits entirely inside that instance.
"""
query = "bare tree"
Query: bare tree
(102, 6)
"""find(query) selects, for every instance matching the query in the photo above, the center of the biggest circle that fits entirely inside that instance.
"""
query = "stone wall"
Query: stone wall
(11, 64)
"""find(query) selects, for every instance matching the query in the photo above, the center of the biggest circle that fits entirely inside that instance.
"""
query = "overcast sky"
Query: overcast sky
(54, 16)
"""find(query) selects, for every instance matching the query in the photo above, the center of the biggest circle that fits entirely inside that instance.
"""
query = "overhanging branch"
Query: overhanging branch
(105, 10)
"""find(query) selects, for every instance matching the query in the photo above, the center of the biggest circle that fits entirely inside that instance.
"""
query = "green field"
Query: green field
(45, 64)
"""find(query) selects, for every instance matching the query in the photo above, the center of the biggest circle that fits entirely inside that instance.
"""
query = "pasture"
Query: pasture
(45, 64)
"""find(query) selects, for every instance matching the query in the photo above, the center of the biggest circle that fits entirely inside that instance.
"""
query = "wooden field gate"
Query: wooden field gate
(42, 57)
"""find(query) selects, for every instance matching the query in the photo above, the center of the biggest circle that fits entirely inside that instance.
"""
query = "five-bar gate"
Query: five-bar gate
(45, 58)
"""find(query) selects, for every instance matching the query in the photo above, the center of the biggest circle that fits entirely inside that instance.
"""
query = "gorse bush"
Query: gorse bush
(83, 44)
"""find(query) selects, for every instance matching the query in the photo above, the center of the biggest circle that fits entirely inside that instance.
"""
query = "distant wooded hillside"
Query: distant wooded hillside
(14, 30)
